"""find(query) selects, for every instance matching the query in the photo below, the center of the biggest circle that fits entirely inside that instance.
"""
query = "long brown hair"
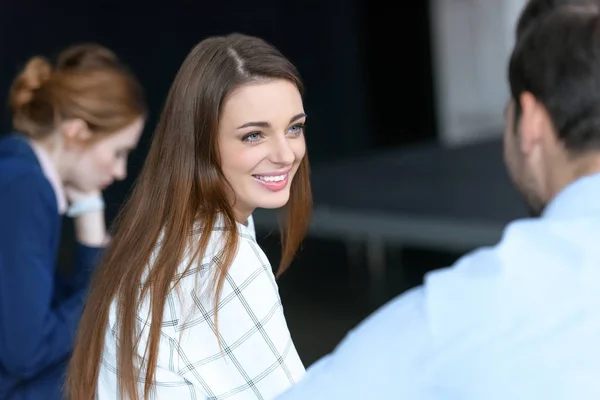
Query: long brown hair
(181, 184)
(88, 82)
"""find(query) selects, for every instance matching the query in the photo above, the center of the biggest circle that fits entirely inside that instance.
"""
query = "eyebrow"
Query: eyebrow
(264, 124)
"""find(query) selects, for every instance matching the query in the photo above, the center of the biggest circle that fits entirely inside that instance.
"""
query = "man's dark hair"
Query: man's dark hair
(536, 10)
(557, 60)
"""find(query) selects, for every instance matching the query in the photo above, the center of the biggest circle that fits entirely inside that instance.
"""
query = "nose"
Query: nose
(281, 152)
(120, 170)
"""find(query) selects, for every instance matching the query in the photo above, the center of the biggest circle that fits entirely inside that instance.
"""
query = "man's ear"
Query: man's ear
(75, 131)
(533, 123)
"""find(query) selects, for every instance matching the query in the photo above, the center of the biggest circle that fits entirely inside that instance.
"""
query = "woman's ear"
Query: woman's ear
(75, 131)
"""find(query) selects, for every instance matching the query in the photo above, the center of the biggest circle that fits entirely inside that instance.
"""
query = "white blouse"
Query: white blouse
(256, 358)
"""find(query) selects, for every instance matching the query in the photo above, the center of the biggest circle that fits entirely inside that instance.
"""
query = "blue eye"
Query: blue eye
(251, 137)
(297, 129)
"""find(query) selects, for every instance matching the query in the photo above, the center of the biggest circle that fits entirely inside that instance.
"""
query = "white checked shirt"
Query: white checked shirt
(257, 358)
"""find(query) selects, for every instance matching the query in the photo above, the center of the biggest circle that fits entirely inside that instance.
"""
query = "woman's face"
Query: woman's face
(261, 144)
(97, 165)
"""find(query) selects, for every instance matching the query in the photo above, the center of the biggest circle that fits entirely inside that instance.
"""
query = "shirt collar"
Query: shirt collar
(579, 198)
(247, 229)
(51, 174)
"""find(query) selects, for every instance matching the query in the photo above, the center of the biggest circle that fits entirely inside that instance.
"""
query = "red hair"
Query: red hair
(87, 83)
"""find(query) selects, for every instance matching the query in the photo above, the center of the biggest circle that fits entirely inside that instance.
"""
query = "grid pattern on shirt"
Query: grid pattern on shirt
(256, 358)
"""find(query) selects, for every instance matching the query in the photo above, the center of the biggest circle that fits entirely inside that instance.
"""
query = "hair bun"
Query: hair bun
(87, 56)
(36, 72)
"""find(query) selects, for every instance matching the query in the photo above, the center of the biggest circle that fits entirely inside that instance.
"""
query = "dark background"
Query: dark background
(367, 69)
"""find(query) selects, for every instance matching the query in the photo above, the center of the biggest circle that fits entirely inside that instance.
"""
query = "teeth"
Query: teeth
(275, 178)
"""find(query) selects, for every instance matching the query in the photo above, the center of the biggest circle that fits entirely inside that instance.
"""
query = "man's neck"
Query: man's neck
(576, 167)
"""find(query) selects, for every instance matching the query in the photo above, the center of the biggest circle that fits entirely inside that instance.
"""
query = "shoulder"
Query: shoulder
(19, 169)
(247, 251)
(523, 248)
(249, 263)
(401, 320)
(394, 338)
(491, 286)
(248, 286)
(249, 269)
(23, 184)
(28, 208)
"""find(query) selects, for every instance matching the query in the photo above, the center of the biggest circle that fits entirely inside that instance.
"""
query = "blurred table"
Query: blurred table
(428, 196)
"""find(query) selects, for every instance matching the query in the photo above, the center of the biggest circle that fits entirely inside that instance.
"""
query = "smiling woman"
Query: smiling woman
(194, 310)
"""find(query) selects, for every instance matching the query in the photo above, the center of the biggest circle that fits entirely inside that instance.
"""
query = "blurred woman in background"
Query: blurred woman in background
(185, 304)
(75, 124)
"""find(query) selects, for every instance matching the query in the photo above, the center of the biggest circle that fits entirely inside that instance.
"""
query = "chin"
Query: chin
(274, 200)
(534, 203)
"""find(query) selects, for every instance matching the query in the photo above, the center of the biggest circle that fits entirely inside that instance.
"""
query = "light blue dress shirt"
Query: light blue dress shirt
(520, 320)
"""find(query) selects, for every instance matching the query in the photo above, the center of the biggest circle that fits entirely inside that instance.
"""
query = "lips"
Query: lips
(273, 182)
(271, 178)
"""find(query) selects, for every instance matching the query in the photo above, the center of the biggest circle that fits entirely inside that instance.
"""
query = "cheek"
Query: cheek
(99, 161)
(298, 147)
(513, 166)
(241, 162)
(510, 153)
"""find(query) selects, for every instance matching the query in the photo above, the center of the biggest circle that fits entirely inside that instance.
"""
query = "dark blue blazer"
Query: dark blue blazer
(39, 306)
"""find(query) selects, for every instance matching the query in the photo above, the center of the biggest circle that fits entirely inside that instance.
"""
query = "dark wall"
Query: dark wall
(397, 66)
(364, 68)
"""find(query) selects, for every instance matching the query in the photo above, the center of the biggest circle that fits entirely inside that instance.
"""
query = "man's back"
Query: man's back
(520, 320)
